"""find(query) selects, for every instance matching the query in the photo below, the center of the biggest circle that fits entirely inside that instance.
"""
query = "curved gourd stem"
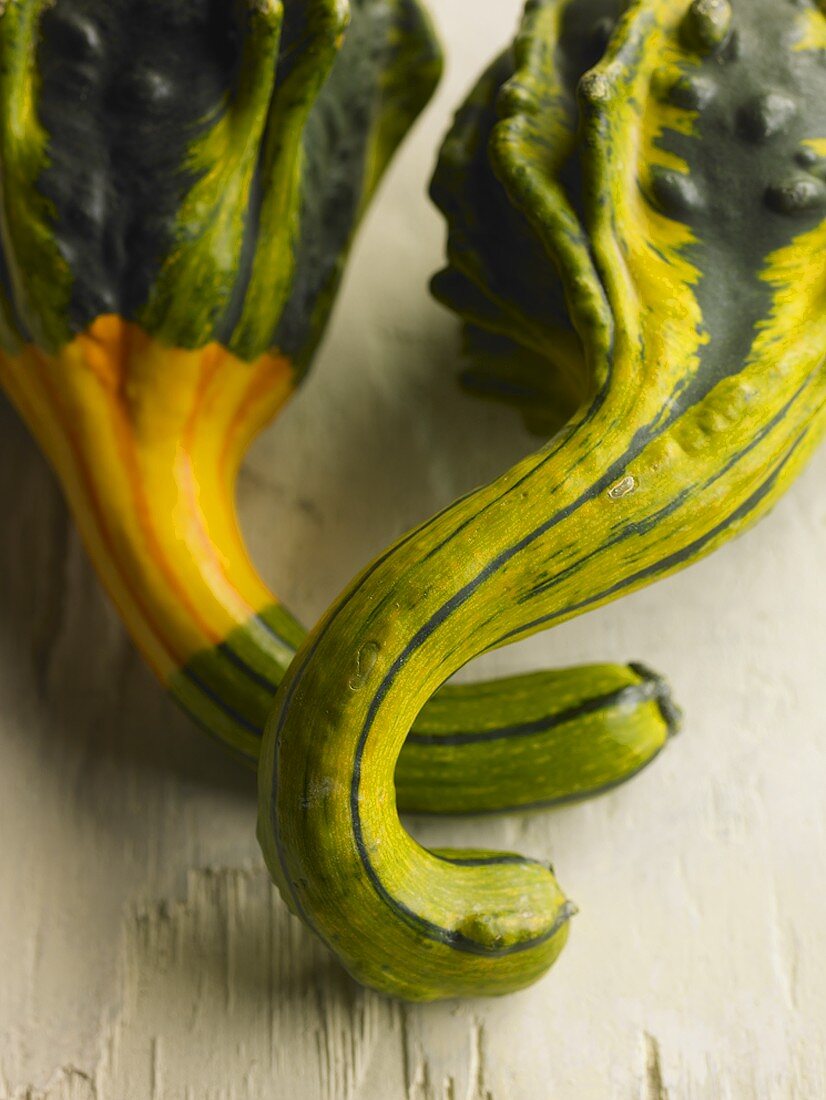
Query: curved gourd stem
(710, 394)
(146, 418)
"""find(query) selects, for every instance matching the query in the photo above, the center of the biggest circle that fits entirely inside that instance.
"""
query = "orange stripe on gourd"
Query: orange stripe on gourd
(150, 470)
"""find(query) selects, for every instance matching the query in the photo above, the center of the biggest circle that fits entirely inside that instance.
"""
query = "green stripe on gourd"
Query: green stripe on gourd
(189, 177)
(193, 290)
(225, 148)
(598, 726)
(319, 35)
(39, 277)
(537, 739)
(688, 239)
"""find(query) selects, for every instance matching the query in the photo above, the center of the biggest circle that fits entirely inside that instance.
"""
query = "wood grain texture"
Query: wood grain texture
(143, 953)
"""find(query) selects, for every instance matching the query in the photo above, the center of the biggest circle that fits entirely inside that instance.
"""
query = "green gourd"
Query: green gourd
(180, 186)
(636, 201)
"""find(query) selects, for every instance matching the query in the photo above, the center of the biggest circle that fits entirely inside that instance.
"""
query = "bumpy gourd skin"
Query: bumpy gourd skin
(180, 185)
(661, 249)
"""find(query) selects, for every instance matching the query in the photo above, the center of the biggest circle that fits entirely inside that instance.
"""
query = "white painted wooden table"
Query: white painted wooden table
(142, 951)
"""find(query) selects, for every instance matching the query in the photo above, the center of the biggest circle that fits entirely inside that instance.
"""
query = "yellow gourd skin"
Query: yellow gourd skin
(683, 230)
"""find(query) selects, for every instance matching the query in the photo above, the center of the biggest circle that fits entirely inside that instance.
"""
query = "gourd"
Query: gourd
(180, 185)
(636, 198)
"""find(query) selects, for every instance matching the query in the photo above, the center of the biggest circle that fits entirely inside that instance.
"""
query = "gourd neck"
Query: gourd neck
(147, 441)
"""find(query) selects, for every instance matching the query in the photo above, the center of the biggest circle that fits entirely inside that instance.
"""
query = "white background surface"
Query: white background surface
(143, 953)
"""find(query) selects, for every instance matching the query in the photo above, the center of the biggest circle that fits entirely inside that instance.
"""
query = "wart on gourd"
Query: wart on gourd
(180, 186)
(637, 254)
